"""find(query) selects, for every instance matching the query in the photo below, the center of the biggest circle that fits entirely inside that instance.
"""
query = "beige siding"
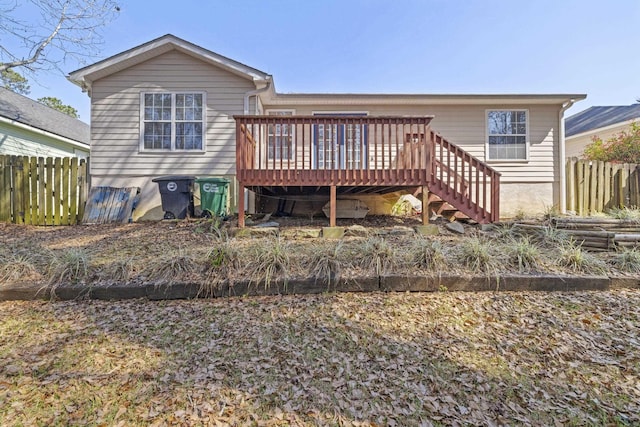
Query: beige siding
(115, 118)
(466, 126)
(530, 186)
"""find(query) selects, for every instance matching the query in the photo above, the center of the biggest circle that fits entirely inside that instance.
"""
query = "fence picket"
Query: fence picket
(33, 173)
(42, 204)
(64, 217)
(42, 191)
(598, 186)
(18, 205)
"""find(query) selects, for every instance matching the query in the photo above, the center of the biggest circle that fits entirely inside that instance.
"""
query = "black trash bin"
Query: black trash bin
(176, 192)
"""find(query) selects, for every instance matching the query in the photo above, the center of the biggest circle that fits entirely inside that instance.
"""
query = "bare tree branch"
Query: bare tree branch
(67, 30)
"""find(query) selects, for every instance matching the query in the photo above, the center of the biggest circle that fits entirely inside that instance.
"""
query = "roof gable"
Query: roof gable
(17, 108)
(598, 117)
(85, 76)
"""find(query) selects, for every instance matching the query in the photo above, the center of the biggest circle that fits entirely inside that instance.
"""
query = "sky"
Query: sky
(396, 46)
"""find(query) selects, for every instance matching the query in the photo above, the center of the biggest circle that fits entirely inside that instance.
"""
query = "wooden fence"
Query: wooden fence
(43, 191)
(594, 186)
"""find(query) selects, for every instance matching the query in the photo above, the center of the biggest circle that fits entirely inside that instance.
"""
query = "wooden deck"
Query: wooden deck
(353, 152)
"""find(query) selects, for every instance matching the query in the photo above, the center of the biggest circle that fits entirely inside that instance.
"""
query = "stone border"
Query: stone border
(391, 283)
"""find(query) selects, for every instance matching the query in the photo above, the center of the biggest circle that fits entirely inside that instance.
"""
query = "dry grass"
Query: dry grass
(325, 360)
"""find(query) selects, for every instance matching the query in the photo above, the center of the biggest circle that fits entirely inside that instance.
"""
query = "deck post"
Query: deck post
(240, 205)
(425, 205)
(332, 205)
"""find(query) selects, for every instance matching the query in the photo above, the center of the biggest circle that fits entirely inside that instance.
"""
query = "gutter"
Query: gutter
(254, 93)
(46, 133)
(562, 161)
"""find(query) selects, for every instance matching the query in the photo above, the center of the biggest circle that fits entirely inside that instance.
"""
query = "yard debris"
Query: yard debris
(342, 359)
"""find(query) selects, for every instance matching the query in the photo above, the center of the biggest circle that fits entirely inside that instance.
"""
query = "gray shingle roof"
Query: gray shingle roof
(597, 117)
(16, 107)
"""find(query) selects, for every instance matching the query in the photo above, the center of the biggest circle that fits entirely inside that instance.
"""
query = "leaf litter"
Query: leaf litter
(334, 359)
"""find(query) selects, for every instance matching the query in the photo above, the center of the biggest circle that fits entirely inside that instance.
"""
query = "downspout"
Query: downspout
(562, 161)
(254, 93)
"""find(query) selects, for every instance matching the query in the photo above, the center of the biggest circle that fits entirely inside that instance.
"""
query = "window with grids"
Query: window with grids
(280, 138)
(507, 134)
(173, 121)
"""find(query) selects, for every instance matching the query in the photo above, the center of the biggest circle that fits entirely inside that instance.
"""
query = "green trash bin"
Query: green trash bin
(213, 196)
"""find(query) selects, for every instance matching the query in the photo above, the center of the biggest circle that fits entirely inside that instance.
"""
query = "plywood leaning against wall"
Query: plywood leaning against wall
(43, 191)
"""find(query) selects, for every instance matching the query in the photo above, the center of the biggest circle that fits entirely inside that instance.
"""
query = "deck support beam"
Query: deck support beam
(332, 206)
(425, 205)
(240, 205)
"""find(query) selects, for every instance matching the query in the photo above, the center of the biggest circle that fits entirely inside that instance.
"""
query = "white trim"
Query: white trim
(347, 99)
(561, 156)
(143, 150)
(486, 132)
(46, 133)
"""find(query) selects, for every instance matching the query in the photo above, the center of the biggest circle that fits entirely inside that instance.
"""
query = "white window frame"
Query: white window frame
(526, 135)
(173, 149)
(293, 135)
(364, 161)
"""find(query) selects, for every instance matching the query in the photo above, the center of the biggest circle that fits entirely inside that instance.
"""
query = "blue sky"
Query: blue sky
(399, 46)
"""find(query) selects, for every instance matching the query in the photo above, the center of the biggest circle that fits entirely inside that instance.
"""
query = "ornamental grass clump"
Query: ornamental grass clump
(523, 254)
(16, 266)
(476, 255)
(270, 260)
(627, 260)
(626, 213)
(68, 265)
(375, 254)
(576, 259)
(428, 254)
(326, 264)
(173, 265)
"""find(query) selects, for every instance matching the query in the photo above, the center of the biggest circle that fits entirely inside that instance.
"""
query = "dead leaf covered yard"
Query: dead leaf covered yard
(443, 358)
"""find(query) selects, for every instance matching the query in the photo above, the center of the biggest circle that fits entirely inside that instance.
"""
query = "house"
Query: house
(29, 128)
(602, 122)
(171, 107)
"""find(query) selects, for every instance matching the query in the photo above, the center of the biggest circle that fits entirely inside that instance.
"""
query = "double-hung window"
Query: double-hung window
(507, 134)
(172, 121)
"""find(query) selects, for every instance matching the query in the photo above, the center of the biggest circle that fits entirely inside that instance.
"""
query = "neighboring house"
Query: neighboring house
(601, 122)
(29, 128)
(171, 107)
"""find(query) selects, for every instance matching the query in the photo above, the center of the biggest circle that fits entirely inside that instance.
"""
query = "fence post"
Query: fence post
(82, 187)
(5, 189)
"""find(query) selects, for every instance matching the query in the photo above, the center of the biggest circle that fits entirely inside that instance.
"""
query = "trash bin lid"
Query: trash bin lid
(212, 180)
(174, 178)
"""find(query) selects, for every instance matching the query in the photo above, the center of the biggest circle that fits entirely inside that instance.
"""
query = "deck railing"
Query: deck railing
(363, 151)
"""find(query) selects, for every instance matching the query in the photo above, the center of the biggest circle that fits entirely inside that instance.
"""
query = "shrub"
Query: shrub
(622, 148)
